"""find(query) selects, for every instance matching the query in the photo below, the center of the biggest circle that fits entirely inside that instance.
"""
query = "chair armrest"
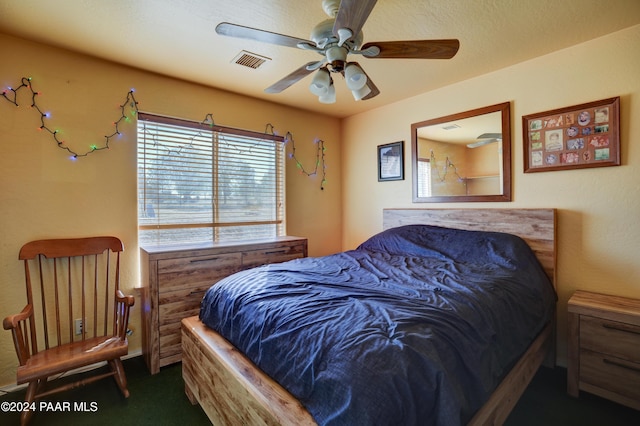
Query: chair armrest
(128, 300)
(22, 333)
(11, 322)
(123, 303)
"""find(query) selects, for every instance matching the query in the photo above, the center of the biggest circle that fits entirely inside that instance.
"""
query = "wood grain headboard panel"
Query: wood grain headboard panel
(536, 226)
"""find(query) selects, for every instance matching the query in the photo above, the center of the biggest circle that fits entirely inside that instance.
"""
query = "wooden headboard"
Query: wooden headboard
(536, 226)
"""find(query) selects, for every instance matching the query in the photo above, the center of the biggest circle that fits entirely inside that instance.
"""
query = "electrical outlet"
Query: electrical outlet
(78, 325)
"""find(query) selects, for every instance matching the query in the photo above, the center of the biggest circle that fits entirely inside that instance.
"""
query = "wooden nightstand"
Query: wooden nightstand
(604, 347)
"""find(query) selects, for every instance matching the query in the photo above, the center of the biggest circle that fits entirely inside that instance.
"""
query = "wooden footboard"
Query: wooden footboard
(496, 410)
(231, 389)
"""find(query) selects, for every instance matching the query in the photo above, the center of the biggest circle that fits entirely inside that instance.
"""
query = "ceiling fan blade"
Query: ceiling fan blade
(292, 78)
(352, 14)
(239, 31)
(415, 49)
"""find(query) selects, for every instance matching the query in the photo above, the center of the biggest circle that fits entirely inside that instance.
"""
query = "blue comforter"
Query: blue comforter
(416, 326)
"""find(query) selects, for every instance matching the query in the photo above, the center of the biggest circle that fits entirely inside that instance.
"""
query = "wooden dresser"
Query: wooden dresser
(175, 278)
(604, 347)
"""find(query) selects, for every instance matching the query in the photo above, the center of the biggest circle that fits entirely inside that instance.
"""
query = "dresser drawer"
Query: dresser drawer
(196, 271)
(613, 374)
(613, 338)
(274, 254)
(170, 341)
(174, 306)
(177, 305)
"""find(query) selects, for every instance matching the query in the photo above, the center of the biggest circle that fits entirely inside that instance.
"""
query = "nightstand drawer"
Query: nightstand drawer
(618, 339)
(614, 374)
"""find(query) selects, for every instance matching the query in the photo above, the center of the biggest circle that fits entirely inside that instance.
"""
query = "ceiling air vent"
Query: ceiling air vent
(249, 59)
(450, 127)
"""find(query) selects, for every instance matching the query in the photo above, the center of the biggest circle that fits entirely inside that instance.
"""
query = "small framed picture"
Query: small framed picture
(391, 161)
(575, 137)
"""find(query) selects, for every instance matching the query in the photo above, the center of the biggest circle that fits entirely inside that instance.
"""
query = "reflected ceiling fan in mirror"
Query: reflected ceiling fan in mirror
(485, 139)
(335, 39)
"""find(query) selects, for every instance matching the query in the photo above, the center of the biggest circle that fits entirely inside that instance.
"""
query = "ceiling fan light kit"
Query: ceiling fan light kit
(335, 39)
(321, 81)
(354, 76)
(361, 93)
(330, 96)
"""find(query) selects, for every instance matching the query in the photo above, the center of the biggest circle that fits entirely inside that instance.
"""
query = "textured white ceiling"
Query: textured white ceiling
(177, 38)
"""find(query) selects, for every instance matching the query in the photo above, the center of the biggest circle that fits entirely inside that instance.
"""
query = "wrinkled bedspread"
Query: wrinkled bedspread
(418, 325)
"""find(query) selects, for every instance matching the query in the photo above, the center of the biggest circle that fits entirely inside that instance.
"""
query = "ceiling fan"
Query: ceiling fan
(335, 39)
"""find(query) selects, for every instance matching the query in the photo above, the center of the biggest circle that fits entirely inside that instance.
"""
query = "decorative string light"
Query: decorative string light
(221, 139)
(448, 165)
(208, 120)
(11, 95)
(320, 152)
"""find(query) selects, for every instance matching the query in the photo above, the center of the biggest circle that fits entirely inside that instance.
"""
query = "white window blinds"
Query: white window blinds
(424, 177)
(200, 183)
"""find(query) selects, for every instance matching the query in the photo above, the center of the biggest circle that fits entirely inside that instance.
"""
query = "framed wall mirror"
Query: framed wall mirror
(463, 157)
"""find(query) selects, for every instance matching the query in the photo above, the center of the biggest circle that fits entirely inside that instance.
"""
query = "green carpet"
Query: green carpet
(160, 400)
(154, 400)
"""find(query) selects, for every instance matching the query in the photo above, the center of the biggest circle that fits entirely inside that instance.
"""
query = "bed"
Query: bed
(375, 370)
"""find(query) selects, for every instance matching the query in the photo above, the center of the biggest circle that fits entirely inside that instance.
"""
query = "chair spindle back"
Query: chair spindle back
(69, 280)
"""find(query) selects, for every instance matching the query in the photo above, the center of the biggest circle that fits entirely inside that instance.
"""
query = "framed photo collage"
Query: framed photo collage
(580, 136)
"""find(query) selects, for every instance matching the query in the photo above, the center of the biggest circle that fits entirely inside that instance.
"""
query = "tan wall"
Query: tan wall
(485, 163)
(44, 194)
(448, 168)
(599, 232)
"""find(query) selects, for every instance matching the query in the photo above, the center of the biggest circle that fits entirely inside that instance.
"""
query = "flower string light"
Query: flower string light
(320, 152)
(11, 95)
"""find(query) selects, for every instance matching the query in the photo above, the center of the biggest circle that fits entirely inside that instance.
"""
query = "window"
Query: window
(200, 183)
(424, 177)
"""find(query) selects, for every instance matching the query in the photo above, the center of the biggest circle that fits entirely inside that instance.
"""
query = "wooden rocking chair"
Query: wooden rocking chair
(75, 315)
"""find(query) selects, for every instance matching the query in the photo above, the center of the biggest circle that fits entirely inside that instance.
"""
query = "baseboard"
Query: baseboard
(14, 388)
